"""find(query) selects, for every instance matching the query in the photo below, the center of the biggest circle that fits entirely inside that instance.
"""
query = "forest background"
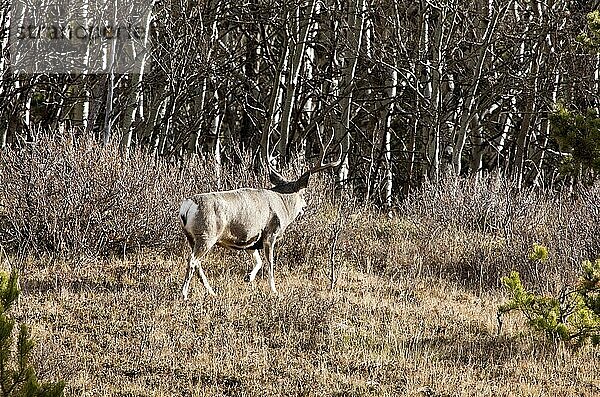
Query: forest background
(469, 139)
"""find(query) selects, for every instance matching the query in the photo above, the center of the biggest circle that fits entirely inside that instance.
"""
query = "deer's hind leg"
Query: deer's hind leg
(257, 265)
(199, 250)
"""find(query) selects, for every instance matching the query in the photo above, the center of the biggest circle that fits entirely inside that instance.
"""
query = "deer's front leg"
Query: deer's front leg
(191, 269)
(269, 248)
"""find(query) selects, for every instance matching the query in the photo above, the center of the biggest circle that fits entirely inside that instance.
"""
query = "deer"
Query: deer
(244, 219)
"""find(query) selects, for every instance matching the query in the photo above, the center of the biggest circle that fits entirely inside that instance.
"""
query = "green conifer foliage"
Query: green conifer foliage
(579, 135)
(17, 376)
(591, 38)
(573, 316)
(578, 132)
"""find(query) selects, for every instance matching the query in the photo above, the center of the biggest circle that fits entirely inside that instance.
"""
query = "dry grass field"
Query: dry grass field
(119, 328)
(413, 313)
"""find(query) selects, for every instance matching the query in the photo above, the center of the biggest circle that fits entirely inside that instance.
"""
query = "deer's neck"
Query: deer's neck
(291, 203)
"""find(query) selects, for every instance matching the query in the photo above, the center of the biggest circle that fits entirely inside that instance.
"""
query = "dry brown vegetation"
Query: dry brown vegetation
(413, 312)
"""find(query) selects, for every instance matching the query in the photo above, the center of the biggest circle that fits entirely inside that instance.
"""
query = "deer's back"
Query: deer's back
(236, 218)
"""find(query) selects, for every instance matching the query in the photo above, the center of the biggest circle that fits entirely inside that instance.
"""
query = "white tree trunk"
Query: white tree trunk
(200, 102)
(597, 82)
(216, 132)
(387, 139)
(468, 106)
(435, 71)
(110, 86)
(356, 23)
(275, 107)
(299, 49)
(135, 104)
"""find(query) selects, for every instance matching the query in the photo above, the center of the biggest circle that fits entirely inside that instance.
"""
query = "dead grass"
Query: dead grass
(119, 328)
(413, 313)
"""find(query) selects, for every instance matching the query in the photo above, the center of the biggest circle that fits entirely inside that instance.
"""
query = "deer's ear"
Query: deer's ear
(276, 178)
(302, 182)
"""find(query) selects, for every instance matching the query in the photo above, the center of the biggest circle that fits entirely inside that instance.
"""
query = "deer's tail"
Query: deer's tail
(184, 210)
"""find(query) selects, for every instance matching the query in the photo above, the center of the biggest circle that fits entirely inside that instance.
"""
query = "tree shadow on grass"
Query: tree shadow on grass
(473, 345)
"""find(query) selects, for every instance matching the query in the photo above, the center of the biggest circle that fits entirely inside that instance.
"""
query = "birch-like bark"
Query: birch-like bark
(275, 106)
(356, 23)
(108, 120)
(550, 48)
(27, 114)
(597, 82)
(531, 98)
(469, 104)
(89, 82)
(216, 132)
(310, 107)
(161, 126)
(200, 102)
(507, 124)
(476, 146)
(434, 95)
(299, 49)
(387, 139)
(135, 104)
(423, 71)
(110, 86)
(153, 118)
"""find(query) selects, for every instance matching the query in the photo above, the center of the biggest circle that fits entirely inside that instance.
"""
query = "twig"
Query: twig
(337, 228)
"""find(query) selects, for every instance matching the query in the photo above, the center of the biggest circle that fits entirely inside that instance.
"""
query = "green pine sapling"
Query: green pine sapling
(17, 376)
(573, 316)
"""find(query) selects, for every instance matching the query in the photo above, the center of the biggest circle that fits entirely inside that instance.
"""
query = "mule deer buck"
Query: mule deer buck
(245, 219)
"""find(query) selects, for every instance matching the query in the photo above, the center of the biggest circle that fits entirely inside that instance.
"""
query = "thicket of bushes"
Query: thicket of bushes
(489, 227)
(74, 197)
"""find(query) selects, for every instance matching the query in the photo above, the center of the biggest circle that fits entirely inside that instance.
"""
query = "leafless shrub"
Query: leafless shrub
(482, 229)
(466, 230)
(73, 196)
